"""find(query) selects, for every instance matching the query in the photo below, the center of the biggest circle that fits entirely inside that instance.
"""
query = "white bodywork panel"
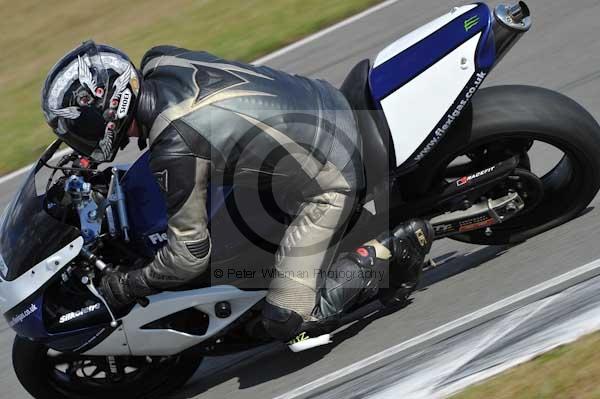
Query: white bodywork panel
(14, 292)
(130, 338)
(113, 345)
(416, 36)
(415, 109)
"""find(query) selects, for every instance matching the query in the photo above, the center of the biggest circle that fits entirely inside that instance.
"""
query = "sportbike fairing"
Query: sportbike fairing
(28, 234)
(37, 247)
(423, 81)
(34, 248)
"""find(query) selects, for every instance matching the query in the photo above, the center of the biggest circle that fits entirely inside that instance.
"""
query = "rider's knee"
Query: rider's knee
(281, 324)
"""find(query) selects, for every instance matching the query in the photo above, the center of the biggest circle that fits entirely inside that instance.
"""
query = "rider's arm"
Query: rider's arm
(183, 176)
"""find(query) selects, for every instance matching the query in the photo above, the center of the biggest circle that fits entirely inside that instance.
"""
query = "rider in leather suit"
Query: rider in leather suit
(205, 119)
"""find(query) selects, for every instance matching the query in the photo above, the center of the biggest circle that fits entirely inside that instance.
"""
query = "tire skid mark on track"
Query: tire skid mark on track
(584, 80)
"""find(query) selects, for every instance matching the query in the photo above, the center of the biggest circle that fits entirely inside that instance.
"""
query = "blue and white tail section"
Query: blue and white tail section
(424, 80)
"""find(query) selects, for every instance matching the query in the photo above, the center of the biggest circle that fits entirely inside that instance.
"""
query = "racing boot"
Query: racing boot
(388, 266)
(412, 244)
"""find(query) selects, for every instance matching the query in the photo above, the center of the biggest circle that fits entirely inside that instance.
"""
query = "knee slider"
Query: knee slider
(281, 324)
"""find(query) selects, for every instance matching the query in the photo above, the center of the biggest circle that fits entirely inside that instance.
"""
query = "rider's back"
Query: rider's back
(240, 117)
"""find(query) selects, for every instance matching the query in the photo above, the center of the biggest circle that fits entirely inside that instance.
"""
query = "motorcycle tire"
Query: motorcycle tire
(505, 113)
(40, 376)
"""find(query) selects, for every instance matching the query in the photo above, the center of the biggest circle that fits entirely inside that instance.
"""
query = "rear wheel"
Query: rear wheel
(519, 120)
(47, 374)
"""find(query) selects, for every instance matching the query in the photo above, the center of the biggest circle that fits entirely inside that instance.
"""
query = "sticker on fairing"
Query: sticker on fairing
(467, 179)
(3, 267)
(18, 319)
(124, 104)
(81, 312)
(476, 224)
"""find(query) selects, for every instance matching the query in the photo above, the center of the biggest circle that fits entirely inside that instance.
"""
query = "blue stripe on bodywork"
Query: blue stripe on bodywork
(396, 72)
(485, 58)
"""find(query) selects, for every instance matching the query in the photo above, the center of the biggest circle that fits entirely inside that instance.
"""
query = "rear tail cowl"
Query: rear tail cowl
(423, 81)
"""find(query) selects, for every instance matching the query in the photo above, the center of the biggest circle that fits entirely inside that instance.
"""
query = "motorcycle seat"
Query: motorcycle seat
(372, 125)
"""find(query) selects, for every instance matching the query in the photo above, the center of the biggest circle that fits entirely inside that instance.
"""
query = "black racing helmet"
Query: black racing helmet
(89, 100)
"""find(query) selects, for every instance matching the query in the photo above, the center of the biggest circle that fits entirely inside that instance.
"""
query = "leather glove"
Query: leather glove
(123, 289)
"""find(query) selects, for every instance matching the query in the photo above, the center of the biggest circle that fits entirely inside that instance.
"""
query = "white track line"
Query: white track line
(324, 32)
(260, 61)
(27, 168)
(550, 287)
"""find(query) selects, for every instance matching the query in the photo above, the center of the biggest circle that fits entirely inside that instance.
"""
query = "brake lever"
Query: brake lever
(90, 286)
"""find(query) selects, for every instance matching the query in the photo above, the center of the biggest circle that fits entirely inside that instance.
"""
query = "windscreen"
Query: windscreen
(28, 234)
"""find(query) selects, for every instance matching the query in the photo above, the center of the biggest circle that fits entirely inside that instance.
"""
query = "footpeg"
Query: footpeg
(479, 216)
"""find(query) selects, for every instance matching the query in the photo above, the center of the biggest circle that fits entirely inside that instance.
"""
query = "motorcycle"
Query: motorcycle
(434, 146)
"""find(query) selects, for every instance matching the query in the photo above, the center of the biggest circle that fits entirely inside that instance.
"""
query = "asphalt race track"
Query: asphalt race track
(562, 52)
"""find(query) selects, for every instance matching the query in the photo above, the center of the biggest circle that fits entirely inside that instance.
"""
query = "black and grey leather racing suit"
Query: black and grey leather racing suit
(206, 117)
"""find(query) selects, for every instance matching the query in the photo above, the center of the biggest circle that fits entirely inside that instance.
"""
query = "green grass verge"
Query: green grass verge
(35, 34)
(569, 372)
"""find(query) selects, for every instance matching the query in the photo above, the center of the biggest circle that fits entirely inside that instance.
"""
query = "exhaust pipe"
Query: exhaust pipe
(511, 21)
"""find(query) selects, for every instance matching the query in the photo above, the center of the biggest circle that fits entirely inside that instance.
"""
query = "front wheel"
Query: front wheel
(47, 374)
(514, 120)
